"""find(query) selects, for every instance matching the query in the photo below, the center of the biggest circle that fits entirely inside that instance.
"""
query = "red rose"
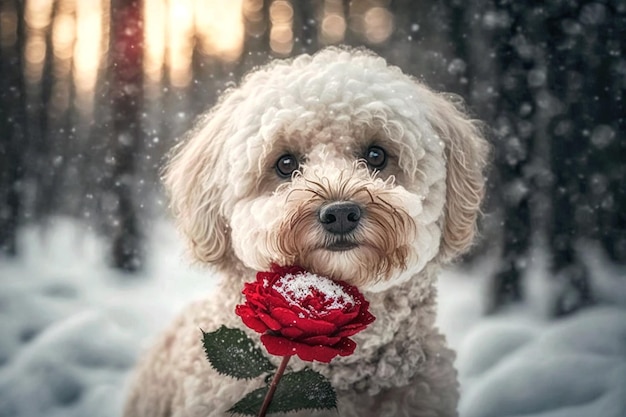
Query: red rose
(304, 314)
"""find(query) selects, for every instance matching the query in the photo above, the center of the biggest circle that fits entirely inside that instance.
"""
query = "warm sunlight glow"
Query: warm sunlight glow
(87, 50)
(63, 38)
(8, 25)
(155, 34)
(281, 34)
(34, 53)
(378, 24)
(64, 34)
(37, 16)
(174, 27)
(180, 31)
(255, 24)
(372, 20)
(333, 27)
(219, 28)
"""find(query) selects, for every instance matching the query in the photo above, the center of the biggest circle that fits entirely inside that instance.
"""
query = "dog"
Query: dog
(343, 165)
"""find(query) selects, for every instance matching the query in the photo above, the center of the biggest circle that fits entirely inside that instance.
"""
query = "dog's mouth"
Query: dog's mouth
(341, 245)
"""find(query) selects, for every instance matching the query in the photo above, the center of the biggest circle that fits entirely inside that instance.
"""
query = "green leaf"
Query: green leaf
(301, 390)
(233, 353)
(250, 404)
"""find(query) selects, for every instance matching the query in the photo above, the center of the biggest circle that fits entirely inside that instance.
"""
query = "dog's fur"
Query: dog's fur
(419, 212)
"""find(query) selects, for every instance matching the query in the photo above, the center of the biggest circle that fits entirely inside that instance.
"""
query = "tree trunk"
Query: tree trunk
(515, 136)
(126, 94)
(566, 63)
(12, 132)
(608, 136)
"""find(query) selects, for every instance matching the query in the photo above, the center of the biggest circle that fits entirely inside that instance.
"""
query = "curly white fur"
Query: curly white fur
(419, 211)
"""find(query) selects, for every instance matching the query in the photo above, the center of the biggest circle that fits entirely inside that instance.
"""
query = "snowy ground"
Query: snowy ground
(70, 330)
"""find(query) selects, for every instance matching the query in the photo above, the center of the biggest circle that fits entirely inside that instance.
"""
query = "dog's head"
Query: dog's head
(335, 162)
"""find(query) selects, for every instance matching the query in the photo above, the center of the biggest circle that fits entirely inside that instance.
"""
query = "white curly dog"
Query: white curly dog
(344, 165)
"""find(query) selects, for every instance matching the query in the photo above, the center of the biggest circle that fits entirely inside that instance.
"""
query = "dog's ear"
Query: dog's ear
(466, 153)
(194, 179)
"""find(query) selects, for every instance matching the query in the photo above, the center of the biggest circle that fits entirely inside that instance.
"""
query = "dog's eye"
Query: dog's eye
(376, 157)
(286, 165)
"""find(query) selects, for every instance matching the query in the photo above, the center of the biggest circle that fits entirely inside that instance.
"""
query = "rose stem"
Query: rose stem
(270, 393)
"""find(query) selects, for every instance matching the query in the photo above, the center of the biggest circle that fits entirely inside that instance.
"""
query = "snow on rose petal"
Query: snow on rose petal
(304, 314)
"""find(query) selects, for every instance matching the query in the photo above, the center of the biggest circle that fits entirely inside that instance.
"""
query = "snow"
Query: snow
(519, 363)
(299, 288)
(575, 367)
(71, 329)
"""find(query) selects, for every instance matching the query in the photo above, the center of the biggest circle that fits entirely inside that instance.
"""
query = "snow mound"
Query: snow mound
(74, 368)
(572, 368)
(71, 328)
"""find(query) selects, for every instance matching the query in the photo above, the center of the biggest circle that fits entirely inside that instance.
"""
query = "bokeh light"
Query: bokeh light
(281, 33)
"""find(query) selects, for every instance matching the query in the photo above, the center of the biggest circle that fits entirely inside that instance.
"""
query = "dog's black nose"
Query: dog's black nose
(340, 217)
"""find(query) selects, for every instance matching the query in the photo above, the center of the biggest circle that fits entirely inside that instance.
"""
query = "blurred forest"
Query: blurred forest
(94, 92)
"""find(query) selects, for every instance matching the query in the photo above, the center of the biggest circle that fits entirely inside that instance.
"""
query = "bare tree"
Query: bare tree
(12, 131)
(515, 138)
(126, 95)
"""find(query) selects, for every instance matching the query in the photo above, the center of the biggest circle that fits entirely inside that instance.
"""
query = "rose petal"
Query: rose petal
(284, 316)
(265, 277)
(250, 320)
(255, 324)
(275, 297)
(339, 317)
(318, 353)
(291, 332)
(249, 288)
(315, 327)
(345, 346)
(282, 347)
(288, 318)
(354, 292)
(243, 310)
(350, 329)
(279, 346)
(365, 317)
(256, 302)
(321, 340)
(277, 300)
(269, 321)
